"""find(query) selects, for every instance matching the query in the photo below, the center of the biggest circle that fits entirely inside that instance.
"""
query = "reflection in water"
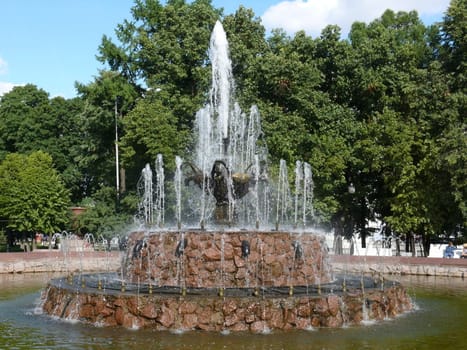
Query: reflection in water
(438, 322)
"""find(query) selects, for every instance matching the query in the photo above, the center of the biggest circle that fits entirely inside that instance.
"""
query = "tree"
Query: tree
(165, 47)
(26, 122)
(33, 197)
(150, 129)
(454, 28)
(161, 55)
(398, 100)
(100, 218)
(107, 100)
(453, 140)
(31, 122)
(246, 37)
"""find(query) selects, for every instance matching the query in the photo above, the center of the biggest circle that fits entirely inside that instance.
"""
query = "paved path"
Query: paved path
(400, 265)
(58, 261)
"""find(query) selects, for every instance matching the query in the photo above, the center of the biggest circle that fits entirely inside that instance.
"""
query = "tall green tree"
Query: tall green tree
(27, 124)
(32, 194)
(161, 55)
(165, 47)
(389, 88)
(106, 102)
(453, 140)
(247, 42)
(453, 32)
(32, 121)
(151, 129)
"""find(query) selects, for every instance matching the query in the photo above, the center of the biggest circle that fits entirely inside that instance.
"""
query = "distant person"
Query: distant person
(464, 251)
(449, 251)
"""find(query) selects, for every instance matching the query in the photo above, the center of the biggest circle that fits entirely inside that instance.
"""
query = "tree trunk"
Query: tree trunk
(122, 180)
(412, 245)
(398, 246)
(426, 244)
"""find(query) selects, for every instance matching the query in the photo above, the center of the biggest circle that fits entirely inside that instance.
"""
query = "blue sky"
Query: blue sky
(53, 43)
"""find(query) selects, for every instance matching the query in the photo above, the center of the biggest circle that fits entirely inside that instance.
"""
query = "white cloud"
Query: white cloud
(6, 87)
(313, 15)
(3, 66)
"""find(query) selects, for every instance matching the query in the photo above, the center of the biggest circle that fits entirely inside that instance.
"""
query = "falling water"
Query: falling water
(180, 253)
(212, 121)
(307, 193)
(222, 78)
(222, 281)
(146, 193)
(264, 197)
(255, 192)
(160, 192)
(178, 190)
(303, 193)
(298, 182)
(151, 205)
(222, 131)
(283, 195)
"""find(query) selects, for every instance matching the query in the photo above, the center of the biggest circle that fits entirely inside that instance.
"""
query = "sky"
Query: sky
(54, 43)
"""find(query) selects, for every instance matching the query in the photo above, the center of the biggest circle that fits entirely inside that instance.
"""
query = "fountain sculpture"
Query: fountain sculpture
(234, 272)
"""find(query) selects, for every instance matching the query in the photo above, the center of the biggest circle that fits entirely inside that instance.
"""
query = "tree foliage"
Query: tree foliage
(151, 129)
(32, 194)
(100, 217)
(32, 121)
(382, 111)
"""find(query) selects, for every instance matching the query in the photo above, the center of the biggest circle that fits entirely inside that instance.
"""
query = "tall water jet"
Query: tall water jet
(283, 195)
(152, 204)
(178, 191)
(227, 139)
(298, 181)
(308, 187)
(160, 191)
(303, 193)
(145, 191)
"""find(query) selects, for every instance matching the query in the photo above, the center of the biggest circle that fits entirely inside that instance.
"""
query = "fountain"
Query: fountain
(233, 270)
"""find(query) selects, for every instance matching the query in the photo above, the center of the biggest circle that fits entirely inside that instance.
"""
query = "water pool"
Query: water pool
(439, 321)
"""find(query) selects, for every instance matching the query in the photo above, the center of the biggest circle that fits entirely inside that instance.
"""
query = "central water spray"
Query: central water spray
(226, 137)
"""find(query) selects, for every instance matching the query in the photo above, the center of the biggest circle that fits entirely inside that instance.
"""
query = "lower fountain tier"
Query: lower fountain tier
(206, 259)
(344, 302)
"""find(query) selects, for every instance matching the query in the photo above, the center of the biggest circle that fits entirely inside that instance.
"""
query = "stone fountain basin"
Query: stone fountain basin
(214, 258)
(106, 300)
(224, 281)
